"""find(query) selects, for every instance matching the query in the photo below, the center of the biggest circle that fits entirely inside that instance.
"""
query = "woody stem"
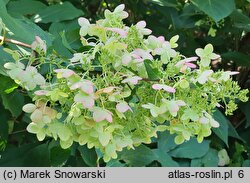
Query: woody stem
(15, 42)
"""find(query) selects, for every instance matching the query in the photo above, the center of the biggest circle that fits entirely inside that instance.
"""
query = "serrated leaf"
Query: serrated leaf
(215, 9)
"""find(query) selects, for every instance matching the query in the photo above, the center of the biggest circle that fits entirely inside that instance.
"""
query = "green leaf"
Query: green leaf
(166, 141)
(71, 30)
(190, 149)
(164, 159)
(240, 20)
(4, 116)
(13, 102)
(222, 131)
(4, 57)
(14, 156)
(168, 3)
(153, 74)
(89, 156)
(246, 163)
(211, 159)
(115, 163)
(239, 58)
(25, 7)
(7, 85)
(232, 131)
(245, 109)
(215, 9)
(65, 42)
(57, 13)
(59, 156)
(22, 29)
(141, 156)
(40, 154)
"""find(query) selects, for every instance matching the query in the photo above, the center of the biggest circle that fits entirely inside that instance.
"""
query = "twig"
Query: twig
(19, 131)
(15, 42)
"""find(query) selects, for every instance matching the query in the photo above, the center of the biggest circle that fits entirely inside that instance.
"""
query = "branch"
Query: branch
(15, 42)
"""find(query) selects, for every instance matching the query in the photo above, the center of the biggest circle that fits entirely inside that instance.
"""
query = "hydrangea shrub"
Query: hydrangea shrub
(123, 87)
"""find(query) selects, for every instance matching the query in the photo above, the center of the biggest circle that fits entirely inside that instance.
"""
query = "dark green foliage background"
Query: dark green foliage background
(195, 21)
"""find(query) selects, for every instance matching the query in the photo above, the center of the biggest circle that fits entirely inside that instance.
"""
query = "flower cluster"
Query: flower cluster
(125, 87)
(28, 77)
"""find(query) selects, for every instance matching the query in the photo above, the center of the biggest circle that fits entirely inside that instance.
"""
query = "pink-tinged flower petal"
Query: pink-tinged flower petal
(121, 32)
(109, 117)
(136, 56)
(146, 31)
(180, 103)
(123, 14)
(100, 114)
(41, 92)
(157, 86)
(233, 72)
(139, 60)
(83, 21)
(126, 59)
(123, 107)
(109, 89)
(132, 80)
(119, 8)
(164, 87)
(141, 24)
(190, 59)
(76, 86)
(173, 107)
(186, 61)
(65, 72)
(87, 89)
(218, 105)
(204, 120)
(86, 86)
(39, 43)
(190, 65)
(158, 51)
(140, 53)
(86, 100)
(161, 39)
(169, 89)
